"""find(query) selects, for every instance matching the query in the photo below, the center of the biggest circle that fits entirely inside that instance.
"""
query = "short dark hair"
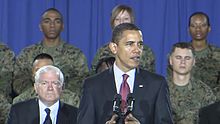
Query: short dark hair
(199, 13)
(118, 31)
(53, 9)
(43, 56)
(182, 45)
(121, 8)
(109, 61)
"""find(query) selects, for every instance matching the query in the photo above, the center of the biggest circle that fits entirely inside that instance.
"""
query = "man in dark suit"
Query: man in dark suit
(210, 114)
(150, 91)
(47, 107)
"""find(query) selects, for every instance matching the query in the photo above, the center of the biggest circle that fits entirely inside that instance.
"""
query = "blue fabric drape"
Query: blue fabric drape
(87, 23)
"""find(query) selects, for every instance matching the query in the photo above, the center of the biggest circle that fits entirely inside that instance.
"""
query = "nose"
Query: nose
(50, 86)
(52, 23)
(137, 48)
(198, 27)
(182, 61)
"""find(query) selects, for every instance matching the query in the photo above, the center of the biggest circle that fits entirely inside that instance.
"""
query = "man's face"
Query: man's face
(51, 24)
(182, 61)
(122, 17)
(49, 88)
(128, 50)
(199, 28)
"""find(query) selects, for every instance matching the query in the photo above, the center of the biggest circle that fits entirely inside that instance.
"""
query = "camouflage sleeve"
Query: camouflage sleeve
(102, 52)
(209, 96)
(28, 94)
(148, 59)
(22, 72)
(6, 70)
(70, 97)
(75, 68)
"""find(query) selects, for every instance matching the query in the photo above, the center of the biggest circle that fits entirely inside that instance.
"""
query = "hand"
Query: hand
(130, 119)
(113, 119)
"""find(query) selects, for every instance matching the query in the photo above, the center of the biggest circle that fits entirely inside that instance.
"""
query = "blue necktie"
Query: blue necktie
(47, 119)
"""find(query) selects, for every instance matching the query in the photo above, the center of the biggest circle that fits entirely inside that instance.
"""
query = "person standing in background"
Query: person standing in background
(124, 14)
(187, 93)
(207, 56)
(68, 58)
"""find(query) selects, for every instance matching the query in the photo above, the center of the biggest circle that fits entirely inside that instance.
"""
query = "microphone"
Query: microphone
(116, 104)
(130, 103)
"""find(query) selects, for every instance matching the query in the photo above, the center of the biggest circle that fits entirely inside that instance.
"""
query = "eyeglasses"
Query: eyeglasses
(53, 83)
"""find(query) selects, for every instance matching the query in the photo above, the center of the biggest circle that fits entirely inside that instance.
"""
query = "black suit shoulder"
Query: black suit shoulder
(151, 75)
(24, 104)
(210, 108)
(69, 110)
(98, 79)
(210, 114)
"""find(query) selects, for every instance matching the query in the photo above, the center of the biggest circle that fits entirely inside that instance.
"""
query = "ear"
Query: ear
(35, 87)
(194, 61)
(40, 27)
(170, 60)
(113, 47)
(209, 29)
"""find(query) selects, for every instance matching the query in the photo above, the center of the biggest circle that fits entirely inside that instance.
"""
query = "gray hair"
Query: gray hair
(49, 68)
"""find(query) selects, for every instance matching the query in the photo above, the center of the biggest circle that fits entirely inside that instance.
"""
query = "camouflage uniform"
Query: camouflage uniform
(187, 100)
(68, 58)
(147, 58)
(6, 71)
(207, 67)
(67, 96)
(4, 109)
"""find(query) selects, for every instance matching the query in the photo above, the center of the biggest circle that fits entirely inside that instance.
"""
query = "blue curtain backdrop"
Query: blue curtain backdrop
(87, 25)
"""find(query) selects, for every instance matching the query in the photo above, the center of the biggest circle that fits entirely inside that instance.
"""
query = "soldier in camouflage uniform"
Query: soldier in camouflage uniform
(6, 71)
(207, 56)
(68, 58)
(124, 14)
(41, 60)
(187, 94)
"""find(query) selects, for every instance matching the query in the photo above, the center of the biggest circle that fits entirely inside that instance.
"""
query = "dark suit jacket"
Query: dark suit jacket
(210, 114)
(152, 104)
(27, 112)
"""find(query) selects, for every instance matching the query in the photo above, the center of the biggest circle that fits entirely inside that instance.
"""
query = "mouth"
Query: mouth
(182, 67)
(198, 34)
(136, 58)
(52, 31)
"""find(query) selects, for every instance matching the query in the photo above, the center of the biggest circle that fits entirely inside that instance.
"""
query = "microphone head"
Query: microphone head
(117, 103)
(130, 102)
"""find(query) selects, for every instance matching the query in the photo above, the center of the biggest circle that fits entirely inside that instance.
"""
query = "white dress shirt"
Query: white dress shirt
(53, 112)
(119, 78)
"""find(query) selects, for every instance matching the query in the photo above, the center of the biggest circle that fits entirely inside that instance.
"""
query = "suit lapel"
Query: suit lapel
(61, 118)
(138, 83)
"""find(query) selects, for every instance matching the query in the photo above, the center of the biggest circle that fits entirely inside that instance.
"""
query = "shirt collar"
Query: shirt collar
(118, 77)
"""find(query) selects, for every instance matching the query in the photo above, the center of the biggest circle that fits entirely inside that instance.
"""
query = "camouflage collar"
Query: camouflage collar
(60, 46)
